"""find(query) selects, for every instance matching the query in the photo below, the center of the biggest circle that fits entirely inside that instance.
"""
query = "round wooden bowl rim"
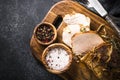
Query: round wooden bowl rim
(54, 30)
(54, 46)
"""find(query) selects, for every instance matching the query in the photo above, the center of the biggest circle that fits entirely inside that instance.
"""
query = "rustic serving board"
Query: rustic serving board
(77, 71)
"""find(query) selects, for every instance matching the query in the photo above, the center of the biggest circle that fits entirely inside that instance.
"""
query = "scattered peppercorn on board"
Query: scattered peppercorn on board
(78, 70)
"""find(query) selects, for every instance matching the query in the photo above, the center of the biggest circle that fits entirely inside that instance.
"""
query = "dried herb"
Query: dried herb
(45, 33)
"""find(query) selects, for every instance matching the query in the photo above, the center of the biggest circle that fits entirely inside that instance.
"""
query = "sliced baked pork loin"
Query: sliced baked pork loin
(84, 42)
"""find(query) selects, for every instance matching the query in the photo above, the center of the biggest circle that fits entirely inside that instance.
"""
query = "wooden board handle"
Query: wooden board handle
(53, 18)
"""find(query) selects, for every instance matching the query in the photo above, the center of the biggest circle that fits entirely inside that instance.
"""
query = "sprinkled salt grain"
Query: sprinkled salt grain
(57, 58)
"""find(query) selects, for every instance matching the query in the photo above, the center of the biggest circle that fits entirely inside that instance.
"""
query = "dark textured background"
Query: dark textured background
(17, 21)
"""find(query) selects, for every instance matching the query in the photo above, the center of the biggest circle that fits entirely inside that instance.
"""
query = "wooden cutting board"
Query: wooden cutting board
(77, 71)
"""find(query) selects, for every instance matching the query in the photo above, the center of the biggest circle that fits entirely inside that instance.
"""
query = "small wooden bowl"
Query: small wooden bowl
(47, 25)
(57, 45)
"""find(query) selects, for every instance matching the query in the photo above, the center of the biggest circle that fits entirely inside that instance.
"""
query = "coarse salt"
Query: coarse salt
(57, 58)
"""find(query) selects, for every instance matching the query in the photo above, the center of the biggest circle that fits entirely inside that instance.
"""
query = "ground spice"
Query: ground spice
(45, 33)
(57, 58)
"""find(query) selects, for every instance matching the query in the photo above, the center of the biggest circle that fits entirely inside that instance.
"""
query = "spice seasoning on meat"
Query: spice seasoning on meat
(45, 33)
(57, 58)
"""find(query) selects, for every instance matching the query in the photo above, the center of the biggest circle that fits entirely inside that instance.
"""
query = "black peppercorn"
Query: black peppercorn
(45, 33)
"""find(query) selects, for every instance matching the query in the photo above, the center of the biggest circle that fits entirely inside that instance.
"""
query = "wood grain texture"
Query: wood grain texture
(77, 71)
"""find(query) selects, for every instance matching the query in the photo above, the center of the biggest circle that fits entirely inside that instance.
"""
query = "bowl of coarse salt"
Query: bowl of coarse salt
(57, 58)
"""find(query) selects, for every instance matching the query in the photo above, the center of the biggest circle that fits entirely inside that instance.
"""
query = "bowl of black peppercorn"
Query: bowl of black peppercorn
(45, 33)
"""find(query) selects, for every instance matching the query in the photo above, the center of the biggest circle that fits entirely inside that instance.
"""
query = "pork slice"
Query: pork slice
(83, 42)
(98, 60)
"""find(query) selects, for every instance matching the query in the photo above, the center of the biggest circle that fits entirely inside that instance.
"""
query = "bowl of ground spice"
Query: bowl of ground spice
(57, 58)
(45, 33)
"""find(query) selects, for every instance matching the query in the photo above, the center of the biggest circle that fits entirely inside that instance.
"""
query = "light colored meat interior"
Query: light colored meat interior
(84, 42)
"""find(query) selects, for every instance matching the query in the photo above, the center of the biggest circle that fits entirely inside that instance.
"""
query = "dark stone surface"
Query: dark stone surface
(17, 21)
